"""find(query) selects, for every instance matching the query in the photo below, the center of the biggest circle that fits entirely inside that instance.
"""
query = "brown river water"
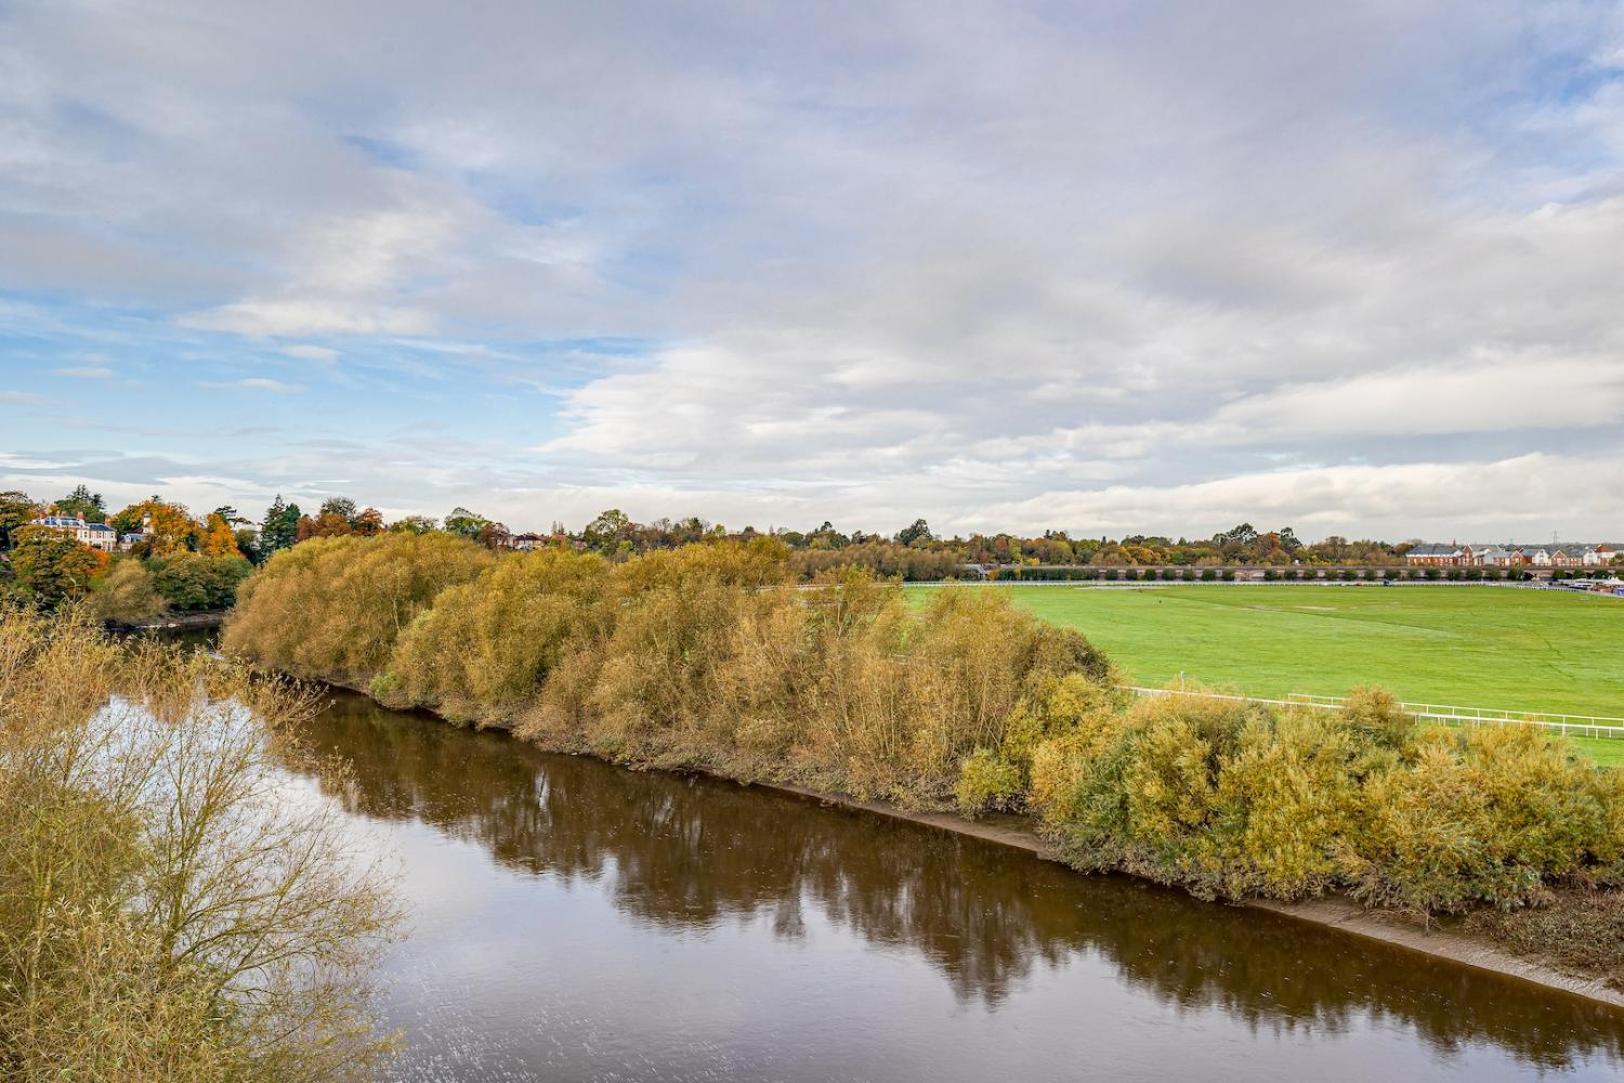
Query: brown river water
(571, 920)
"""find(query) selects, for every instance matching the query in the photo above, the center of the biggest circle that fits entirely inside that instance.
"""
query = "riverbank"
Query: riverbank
(1340, 913)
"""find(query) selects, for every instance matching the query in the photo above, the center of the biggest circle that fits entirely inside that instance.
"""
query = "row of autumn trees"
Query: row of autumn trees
(285, 525)
(189, 562)
(913, 553)
(177, 562)
(172, 560)
(918, 552)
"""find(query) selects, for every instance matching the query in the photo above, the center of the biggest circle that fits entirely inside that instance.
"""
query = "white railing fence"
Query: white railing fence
(1572, 725)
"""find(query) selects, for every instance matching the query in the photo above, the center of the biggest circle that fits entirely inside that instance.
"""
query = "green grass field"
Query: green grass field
(1608, 753)
(1473, 646)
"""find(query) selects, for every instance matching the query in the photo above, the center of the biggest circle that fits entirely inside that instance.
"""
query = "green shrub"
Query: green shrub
(482, 650)
(127, 594)
(1375, 715)
(1055, 707)
(987, 782)
(1489, 815)
(332, 608)
(1287, 801)
(191, 582)
(1231, 799)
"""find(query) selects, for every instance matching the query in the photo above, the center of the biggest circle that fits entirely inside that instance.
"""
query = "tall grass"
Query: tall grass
(713, 657)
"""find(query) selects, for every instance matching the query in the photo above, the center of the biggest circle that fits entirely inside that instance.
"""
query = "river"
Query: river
(570, 920)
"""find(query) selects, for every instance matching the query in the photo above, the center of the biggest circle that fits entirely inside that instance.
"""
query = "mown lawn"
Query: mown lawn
(1476, 646)
(1608, 753)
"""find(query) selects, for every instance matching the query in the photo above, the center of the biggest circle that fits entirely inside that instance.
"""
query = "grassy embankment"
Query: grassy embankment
(710, 658)
(1472, 646)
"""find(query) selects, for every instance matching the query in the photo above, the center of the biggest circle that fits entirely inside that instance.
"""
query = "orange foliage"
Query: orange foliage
(218, 539)
(325, 525)
(170, 528)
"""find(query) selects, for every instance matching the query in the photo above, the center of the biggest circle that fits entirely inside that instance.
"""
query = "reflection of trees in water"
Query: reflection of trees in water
(689, 853)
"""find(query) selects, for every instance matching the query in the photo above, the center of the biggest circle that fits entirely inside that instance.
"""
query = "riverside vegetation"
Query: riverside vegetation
(709, 657)
(166, 912)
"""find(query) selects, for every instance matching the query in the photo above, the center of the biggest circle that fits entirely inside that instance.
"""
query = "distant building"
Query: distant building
(1439, 556)
(130, 541)
(1599, 556)
(96, 535)
(1568, 556)
(531, 541)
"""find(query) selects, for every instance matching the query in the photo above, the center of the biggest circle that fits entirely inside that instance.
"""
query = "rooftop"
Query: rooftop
(65, 522)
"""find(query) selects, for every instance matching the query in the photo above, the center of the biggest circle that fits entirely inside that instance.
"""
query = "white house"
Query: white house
(1599, 556)
(96, 535)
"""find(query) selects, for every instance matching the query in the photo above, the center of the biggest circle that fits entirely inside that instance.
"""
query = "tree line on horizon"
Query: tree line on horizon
(186, 562)
(613, 533)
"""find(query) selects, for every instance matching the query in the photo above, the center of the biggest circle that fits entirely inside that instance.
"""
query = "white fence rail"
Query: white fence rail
(1572, 725)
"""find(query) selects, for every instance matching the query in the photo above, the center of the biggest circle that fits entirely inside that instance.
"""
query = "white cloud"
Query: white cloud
(30, 462)
(255, 383)
(1524, 493)
(309, 316)
(1493, 395)
(305, 352)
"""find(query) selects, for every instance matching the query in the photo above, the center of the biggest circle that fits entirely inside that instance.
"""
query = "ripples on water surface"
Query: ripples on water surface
(572, 920)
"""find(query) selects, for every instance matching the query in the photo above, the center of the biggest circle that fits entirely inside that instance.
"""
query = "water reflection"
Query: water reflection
(692, 853)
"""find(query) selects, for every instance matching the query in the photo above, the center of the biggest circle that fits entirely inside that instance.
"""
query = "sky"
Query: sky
(1108, 268)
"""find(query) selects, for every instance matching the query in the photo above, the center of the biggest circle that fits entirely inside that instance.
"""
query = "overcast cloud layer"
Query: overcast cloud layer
(1354, 268)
